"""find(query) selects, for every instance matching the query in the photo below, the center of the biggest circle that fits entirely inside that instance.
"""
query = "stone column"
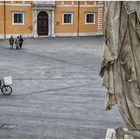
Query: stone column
(35, 23)
(49, 22)
(53, 34)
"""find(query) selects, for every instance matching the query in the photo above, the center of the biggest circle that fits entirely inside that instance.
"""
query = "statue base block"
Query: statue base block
(112, 134)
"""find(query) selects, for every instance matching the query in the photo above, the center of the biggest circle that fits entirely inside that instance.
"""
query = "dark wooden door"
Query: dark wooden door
(42, 23)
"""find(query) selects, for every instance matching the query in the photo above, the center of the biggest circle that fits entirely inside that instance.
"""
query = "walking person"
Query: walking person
(20, 42)
(11, 41)
(17, 42)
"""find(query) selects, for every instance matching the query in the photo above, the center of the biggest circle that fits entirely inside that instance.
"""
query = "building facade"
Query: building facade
(51, 18)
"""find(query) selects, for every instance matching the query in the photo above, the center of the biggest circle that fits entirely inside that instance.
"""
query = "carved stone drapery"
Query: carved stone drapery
(121, 62)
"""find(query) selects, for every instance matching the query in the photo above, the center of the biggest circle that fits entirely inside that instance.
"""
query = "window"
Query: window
(67, 18)
(18, 18)
(90, 18)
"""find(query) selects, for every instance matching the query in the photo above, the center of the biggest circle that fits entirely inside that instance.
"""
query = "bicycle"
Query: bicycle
(5, 87)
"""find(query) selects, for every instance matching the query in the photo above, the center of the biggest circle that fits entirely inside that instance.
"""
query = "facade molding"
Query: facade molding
(1, 36)
(77, 5)
(100, 33)
(15, 4)
(49, 5)
(15, 35)
(78, 34)
(66, 34)
(88, 34)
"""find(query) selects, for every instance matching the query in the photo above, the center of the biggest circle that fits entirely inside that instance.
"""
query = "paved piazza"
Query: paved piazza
(57, 90)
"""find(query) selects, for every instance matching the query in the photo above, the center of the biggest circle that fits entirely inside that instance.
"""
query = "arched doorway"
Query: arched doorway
(42, 24)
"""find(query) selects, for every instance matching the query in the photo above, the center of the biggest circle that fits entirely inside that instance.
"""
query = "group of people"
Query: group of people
(18, 42)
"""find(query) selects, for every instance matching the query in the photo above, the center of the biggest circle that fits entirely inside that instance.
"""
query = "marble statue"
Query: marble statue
(120, 67)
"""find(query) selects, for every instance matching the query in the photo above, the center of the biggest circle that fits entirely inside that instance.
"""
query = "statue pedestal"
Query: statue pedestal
(111, 134)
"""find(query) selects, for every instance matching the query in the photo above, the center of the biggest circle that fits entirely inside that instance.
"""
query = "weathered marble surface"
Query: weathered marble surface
(111, 134)
(121, 61)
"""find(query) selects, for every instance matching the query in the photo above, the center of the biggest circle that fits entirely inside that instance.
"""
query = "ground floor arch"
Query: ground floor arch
(42, 24)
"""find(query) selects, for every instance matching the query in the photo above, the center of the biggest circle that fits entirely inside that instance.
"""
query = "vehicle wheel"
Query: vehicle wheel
(6, 90)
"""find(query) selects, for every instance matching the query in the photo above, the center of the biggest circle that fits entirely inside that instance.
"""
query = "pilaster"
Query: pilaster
(53, 34)
(100, 17)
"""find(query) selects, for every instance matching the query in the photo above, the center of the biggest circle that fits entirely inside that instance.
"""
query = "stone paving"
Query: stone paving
(57, 90)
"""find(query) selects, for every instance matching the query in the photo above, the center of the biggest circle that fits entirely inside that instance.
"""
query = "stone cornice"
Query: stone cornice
(43, 5)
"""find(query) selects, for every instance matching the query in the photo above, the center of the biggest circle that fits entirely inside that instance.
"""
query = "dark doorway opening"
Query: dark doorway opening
(42, 24)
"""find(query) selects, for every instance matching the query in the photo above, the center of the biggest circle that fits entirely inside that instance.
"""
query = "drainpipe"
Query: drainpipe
(4, 20)
(78, 18)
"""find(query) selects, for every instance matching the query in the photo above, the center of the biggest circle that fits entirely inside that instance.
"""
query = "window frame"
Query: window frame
(94, 17)
(13, 13)
(63, 18)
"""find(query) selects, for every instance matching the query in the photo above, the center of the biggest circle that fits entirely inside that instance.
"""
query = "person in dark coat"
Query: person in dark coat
(17, 43)
(11, 41)
(20, 42)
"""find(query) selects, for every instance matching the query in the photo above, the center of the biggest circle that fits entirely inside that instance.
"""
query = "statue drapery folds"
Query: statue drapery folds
(121, 60)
